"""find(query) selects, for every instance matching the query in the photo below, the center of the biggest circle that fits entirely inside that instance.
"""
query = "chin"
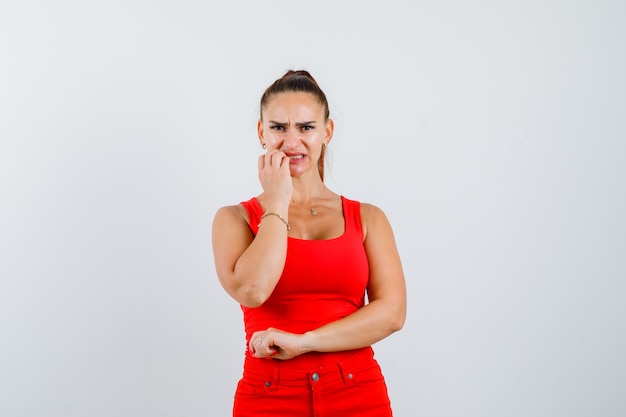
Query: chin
(295, 172)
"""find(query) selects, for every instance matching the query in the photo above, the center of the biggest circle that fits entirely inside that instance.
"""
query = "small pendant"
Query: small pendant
(313, 212)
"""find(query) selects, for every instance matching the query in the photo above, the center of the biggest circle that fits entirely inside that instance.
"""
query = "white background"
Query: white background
(492, 133)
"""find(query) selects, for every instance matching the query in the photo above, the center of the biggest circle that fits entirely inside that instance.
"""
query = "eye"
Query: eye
(277, 127)
(307, 127)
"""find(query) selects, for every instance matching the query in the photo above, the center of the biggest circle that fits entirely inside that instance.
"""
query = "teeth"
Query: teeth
(296, 157)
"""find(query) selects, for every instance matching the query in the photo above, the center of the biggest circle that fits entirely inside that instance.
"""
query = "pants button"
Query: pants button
(315, 377)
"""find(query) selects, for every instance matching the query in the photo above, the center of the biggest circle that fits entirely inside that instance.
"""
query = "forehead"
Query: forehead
(293, 105)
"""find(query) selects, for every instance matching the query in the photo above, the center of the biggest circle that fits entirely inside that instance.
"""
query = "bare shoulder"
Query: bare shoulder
(231, 222)
(235, 213)
(231, 232)
(370, 210)
(373, 218)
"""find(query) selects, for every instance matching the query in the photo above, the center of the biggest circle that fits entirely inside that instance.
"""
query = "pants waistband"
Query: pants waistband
(274, 373)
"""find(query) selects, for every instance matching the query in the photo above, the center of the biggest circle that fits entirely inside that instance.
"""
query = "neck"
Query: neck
(303, 192)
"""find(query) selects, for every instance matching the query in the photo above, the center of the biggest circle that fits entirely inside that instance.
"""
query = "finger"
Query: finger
(261, 161)
(258, 342)
(258, 352)
(278, 158)
(252, 345)
(254, 340)
(265, 353)
(265, 160)
(285, 162)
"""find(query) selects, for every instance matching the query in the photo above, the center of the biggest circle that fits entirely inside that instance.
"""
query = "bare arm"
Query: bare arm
(249, 267)
(383, 315)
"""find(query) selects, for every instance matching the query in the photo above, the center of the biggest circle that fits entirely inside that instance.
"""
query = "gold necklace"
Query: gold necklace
(312, 210)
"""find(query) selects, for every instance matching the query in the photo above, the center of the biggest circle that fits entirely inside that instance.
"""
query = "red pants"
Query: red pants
(354, 386)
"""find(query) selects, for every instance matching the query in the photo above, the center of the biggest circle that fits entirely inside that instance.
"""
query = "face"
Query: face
(293, 122)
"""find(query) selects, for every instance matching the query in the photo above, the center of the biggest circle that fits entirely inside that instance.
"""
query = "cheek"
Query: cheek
(272, 139)
(315, 140)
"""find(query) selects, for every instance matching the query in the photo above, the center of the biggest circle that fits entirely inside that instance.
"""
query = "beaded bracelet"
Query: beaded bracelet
(277, 215)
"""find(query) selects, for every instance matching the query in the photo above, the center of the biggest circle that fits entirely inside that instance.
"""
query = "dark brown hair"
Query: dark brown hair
(296, 81)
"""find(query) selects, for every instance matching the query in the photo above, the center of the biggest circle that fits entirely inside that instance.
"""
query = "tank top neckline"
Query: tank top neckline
(295, 239)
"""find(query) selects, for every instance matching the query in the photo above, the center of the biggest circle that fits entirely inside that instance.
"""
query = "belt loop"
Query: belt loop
(274, 380)
(346, 376)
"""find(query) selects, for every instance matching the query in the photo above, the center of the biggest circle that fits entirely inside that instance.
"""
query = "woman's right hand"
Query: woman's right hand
(275, 179)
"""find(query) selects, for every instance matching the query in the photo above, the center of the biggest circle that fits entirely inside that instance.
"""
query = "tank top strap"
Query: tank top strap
(352, 217)
(351, 214)
(255, 211)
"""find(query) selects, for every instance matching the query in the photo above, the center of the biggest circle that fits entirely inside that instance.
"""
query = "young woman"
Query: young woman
(300, 259)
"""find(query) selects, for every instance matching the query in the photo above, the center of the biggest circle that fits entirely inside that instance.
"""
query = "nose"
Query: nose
(292, 139)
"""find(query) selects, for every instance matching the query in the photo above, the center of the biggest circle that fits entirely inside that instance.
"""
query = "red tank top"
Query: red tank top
(322, 281)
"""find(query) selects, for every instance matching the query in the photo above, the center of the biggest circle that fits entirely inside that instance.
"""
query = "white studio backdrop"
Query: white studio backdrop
(491, 133)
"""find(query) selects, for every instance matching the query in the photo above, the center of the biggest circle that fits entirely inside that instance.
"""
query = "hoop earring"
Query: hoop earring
(264, 146)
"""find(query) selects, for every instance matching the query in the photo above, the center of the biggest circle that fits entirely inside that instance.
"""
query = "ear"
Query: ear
(259, 130)
(329, 129)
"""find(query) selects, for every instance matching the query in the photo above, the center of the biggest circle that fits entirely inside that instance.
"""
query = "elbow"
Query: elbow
(397, 320)
(245, 290)
(396, 324)
(251, 302)
(252, 297)
(391, 318)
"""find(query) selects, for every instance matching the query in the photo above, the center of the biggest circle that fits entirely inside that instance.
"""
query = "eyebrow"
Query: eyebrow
(312, 122)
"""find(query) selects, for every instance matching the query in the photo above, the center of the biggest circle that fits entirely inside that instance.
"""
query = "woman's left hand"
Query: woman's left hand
(276, 344)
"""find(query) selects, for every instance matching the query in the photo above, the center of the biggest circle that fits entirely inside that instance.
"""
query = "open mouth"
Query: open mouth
(292, 157)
